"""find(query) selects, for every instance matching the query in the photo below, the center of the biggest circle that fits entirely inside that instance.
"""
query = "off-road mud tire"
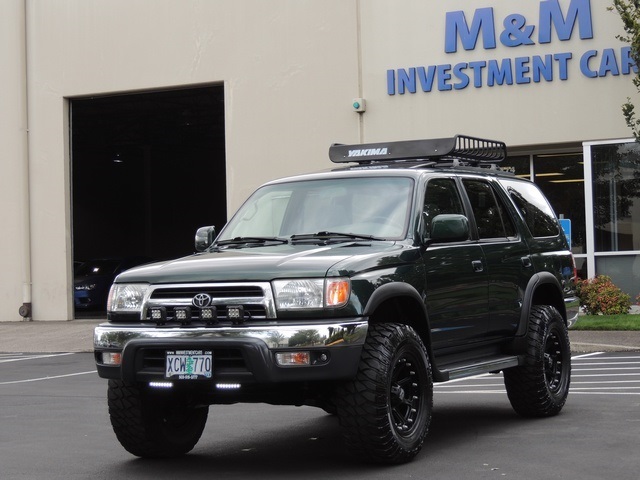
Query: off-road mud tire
(385, 411)
(154, 426)
(539, 388)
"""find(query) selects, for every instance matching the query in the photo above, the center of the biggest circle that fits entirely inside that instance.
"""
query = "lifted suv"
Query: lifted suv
(353, 291)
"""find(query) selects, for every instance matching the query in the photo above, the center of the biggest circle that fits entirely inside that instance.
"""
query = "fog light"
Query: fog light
(293, 358)
(182, 315)
(158, 315)
(111, 358)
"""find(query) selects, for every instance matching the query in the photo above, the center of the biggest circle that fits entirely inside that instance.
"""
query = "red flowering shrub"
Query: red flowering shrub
(600, 296)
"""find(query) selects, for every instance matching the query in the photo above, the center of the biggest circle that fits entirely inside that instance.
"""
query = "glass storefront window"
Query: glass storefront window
(518, 165)
(624, 270)
(561, 178)
(616, 192)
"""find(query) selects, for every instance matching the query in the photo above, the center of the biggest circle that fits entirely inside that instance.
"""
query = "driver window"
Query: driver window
(440, 197)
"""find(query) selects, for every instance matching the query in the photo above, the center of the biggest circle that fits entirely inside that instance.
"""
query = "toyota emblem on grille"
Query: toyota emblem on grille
(201, 300)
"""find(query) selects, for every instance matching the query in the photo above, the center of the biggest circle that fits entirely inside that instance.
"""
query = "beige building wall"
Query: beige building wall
(412, 34)
(290, 69)
(14, 218)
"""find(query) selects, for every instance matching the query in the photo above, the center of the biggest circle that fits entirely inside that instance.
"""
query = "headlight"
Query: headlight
(311, 293)
(126, 297)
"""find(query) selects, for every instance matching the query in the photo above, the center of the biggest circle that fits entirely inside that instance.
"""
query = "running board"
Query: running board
(486, 365)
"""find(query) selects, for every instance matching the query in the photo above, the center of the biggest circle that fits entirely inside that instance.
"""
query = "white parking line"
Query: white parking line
(606, 363)
(34, 357)
(622, 378)
(48, 378)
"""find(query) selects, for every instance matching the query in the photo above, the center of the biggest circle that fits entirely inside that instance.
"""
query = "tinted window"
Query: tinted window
(441, 197)
(533, 207)
(490, 214)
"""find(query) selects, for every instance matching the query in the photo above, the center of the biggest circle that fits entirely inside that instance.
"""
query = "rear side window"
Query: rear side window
(534, 208)
(491, 216)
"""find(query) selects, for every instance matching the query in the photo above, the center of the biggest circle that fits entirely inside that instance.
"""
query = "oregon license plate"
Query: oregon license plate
(189, 364)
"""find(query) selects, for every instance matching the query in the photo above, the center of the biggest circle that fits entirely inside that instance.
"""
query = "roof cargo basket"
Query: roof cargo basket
(469, 149)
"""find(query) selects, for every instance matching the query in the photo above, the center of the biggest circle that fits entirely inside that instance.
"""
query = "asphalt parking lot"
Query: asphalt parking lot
(55, 425)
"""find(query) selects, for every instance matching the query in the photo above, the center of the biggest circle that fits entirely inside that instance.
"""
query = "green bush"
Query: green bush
(600, 296)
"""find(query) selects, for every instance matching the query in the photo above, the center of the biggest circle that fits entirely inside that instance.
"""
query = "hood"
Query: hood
(267, 263)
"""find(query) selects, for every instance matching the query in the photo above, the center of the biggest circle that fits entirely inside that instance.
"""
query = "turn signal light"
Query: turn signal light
(293, 358)
(338, 291)
(111, 358)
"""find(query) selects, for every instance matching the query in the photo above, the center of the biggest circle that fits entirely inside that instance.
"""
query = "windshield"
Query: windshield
(376, 207)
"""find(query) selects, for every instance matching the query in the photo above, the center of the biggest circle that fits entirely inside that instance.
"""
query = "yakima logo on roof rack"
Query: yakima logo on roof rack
(366, 152)
(472, 150)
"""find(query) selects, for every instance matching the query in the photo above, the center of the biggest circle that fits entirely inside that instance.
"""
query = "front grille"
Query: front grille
(255, 299)
(237, 291)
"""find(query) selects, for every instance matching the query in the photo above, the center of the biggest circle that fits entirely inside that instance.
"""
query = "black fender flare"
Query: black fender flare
(390, 291)
(534, 283)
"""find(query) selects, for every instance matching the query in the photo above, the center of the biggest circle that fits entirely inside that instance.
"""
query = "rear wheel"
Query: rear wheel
(539, 388)
(385, 411)
(154, 426)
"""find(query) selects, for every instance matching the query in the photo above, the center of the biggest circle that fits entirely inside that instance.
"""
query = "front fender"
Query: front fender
(414, 313)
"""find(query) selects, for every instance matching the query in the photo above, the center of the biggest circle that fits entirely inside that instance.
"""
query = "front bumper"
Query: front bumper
(243, 354)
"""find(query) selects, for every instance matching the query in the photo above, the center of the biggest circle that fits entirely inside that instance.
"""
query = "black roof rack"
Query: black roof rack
(469, 149)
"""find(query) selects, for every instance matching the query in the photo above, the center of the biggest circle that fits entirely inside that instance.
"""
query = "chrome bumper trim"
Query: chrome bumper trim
(327, 335)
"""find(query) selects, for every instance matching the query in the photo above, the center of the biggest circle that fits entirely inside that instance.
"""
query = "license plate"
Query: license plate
(189, 364)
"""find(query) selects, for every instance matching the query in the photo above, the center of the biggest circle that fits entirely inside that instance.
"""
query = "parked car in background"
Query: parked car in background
(93, 278)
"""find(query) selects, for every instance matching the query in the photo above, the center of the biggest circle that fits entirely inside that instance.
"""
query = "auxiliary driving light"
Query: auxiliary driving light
(235, 313)
(161, 384)
(158, 315)
(182, 315)
(293, 358)
(227, 386)
(209, 315)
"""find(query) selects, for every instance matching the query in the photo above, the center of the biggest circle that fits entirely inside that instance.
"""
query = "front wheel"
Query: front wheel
(151, 425)
(385, 411)
(539, 388)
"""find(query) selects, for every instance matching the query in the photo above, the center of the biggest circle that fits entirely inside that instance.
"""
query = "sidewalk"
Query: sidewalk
(47, 337)
(77, 336)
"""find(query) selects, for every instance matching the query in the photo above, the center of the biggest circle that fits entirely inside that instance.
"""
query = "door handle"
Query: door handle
(526, 261)
(477, 265)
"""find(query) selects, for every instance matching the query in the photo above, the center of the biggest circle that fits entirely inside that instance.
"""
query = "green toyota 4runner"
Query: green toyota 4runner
(351, 290)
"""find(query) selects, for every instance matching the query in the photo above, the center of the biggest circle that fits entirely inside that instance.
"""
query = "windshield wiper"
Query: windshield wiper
(249, 241)
(326, 236)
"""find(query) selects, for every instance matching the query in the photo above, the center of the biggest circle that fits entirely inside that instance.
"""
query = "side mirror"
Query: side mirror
(205, 237)
(449, 228)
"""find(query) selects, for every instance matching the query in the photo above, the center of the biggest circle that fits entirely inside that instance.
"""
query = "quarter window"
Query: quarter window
(533, 207)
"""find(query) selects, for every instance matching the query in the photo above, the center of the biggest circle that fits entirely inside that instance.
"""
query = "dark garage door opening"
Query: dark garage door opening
(148, 169)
